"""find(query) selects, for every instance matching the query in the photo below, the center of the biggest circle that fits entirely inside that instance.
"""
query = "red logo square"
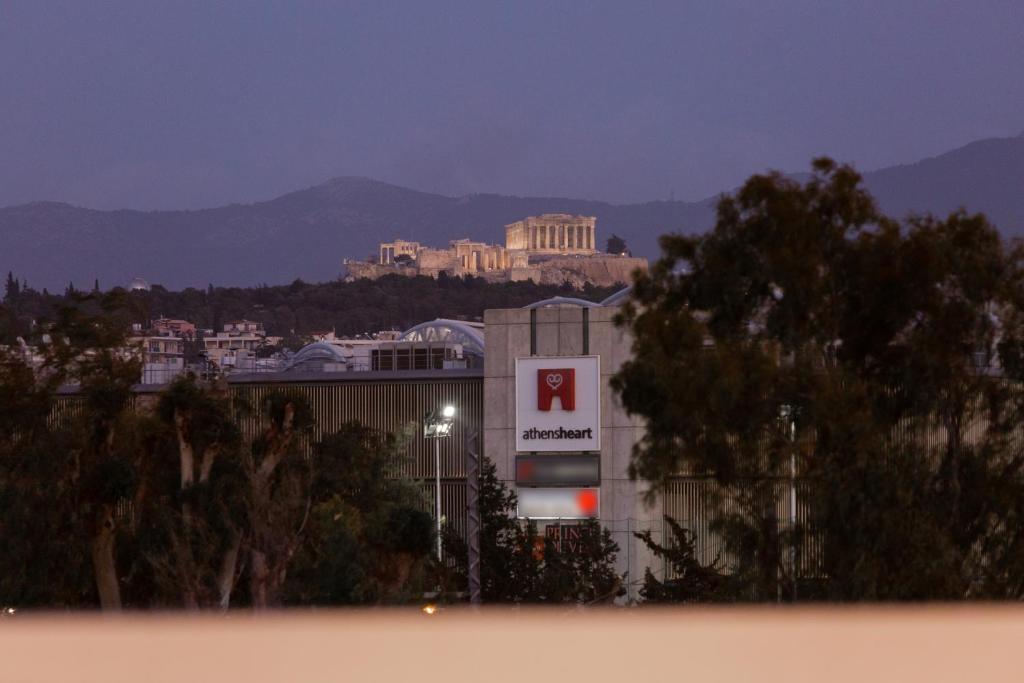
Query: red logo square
(560, 382)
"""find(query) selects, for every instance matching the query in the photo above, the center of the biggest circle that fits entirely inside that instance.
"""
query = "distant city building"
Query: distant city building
(177, 328)
(162, 346)
(234, 348)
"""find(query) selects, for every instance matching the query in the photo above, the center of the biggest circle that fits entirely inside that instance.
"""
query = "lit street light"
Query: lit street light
(436, 426)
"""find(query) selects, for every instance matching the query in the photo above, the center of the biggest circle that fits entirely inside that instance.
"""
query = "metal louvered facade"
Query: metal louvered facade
(388, 401)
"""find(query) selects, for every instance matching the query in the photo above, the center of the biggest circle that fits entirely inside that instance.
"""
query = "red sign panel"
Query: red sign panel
(557, 383)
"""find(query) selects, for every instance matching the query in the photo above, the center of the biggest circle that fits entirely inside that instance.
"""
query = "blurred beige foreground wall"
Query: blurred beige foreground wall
(933, 644)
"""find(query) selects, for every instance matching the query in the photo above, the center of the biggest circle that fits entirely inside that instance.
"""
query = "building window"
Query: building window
(382, 359)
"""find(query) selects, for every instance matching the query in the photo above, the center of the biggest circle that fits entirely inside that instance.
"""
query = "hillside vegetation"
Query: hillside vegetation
(298, 309)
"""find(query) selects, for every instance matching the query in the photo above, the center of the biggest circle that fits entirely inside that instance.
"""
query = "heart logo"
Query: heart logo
(554, 380)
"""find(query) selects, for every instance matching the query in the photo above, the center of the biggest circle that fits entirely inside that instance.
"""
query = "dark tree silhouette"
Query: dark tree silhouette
(882, 363)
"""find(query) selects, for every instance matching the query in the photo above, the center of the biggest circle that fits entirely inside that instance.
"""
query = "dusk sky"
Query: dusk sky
(189, 104)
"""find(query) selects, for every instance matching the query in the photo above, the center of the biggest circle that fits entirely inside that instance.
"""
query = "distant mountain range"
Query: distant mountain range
(306, 234)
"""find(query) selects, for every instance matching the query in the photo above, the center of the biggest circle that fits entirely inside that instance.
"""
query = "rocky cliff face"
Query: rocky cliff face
(602, 270)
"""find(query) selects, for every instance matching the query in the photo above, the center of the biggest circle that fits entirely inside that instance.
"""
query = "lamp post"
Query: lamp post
(788, 413)
(436, 426)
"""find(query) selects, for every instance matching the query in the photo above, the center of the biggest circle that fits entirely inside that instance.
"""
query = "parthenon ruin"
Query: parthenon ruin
(553, 233)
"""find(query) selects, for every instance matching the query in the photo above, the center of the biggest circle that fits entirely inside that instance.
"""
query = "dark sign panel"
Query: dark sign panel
(558, 470)
(568, 538)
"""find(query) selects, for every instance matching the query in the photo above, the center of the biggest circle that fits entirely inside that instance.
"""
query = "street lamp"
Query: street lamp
(788, 414)
(436, 426)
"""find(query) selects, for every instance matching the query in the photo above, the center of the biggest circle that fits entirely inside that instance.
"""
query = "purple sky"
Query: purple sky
(177, 104)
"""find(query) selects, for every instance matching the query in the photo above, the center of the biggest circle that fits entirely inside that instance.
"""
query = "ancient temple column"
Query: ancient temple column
(590, 237)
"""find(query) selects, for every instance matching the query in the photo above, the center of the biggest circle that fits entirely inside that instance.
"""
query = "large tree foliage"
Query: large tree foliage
(617, 245)
(519, 566)
(190, 512)
(688, 579)
(880, 362)
(370, 537)
(64, 468)
(279, 494)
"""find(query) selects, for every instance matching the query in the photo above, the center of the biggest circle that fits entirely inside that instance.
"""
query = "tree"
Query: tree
(518, 566)
(194, 505)
(881, 362)
(11, 288)
(279, 494)
(617, 245)
(370, 536)
(65, 470)
(690, 580)
(45, 561)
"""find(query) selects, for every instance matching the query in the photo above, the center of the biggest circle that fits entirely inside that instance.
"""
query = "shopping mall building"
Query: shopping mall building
(531, 389)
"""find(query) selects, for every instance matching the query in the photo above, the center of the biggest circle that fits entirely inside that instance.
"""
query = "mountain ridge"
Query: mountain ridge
(307, 232)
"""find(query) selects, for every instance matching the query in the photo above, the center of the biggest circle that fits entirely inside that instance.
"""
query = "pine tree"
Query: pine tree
(12, 288)
(617, 245)
(688, 580)
(518, 566)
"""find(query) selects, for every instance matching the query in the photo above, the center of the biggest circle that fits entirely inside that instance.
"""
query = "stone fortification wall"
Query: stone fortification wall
(356, 270)
(602, 270)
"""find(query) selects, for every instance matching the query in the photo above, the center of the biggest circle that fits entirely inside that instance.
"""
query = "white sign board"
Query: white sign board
(561, 503)
(558, 403)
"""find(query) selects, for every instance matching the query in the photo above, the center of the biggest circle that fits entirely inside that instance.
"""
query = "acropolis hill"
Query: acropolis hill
(552, 248)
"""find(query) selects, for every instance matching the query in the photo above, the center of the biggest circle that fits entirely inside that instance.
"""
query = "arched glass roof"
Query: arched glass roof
(562, 301)
(618, 298)
(469, 335)
(313, 356)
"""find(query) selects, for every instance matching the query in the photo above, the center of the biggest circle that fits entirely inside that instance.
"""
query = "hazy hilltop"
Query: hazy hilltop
(986, 176)
(305, 234)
